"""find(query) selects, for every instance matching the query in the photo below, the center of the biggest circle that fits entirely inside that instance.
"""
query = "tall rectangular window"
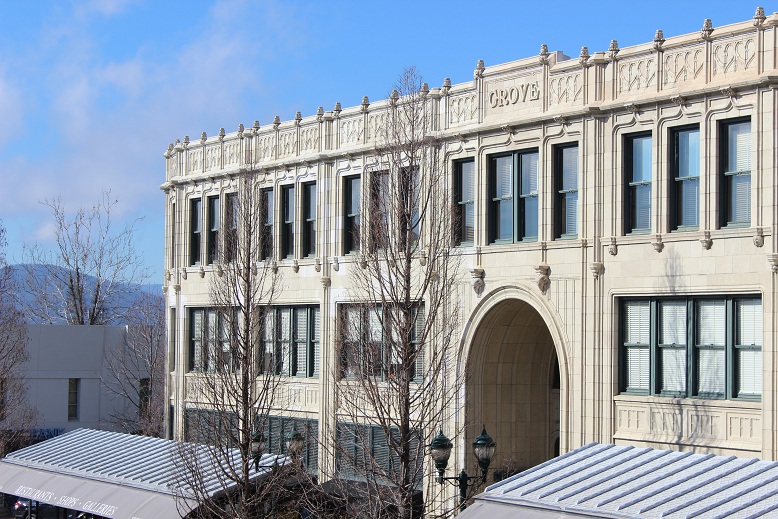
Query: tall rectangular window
(566, 203)
(290, 341)
(210, 341)
(309, 219)
(231, 227)
(266, 240)
(735, 166)
(464, 202)
(378, 225)
(213, 229)
(704, 347)
(686, 172)
(287, 229)
(513, 203)
(637, 182)
(195, 230)
(73, 390)
(173, 252)
(351, 214)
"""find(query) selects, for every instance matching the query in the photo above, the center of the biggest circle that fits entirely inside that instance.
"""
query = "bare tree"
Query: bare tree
(237, 381)
(89, 275)
(134, 370)
(16, 415)
(399, 329)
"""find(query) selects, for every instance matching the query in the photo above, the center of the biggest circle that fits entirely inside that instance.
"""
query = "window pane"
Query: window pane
(711, 371)
(637, 322)
(673, 322)
(749, 323)
(739, 200)
(641, 159)
(467, 181)
(504, 177)
(530, 217)
(637, 368)
(468, 232)
(571, 213)
(529, 174)
(688, 210)
(688, 142)
(641, 210)
(749, 372)
(711, 321)
(505, 219)
(316, 340)
(570, 168)
(739, 147)
(674, 370)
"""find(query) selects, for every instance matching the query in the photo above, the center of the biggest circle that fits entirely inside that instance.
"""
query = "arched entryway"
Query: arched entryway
(513, 386)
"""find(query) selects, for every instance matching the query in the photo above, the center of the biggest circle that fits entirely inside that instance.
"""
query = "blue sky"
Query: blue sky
(92, 91)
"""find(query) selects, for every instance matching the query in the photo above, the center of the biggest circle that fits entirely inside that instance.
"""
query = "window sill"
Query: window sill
(739, 403)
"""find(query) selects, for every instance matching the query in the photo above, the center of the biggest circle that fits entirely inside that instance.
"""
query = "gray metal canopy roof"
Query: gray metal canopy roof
(629, 482)
(134, 476)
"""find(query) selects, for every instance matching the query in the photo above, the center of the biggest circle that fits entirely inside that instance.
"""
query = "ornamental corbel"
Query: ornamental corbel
(758, 237)
(295, 266)
(772, 259)
(335, 264)
(706, 240)
(317, 265)
(274, 267)
(632, 108)
(759, 17)
(183, 273)
(477, 280)
(597, 268)
(707, 29)
(201, 272)
(479, 69)
(657, 243)
(679, 100)
(176, 288)
(560, 120)
(583, 58)
(365, 104)
(219, 270)
(613, 50)
(613, 247)
(543, 272)
(326, 281)
(729, 92)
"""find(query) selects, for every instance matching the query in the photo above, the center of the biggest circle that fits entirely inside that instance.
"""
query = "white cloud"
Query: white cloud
(11, 108)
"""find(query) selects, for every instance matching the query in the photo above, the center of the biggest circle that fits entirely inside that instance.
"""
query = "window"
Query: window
(365, 449)
(73, 387)
(513, 214)
(210, 348)
(379, 210)
(735, 166)
(287, 224)
(637, 182)
(464, 202)
(705, 347)
(231, 227)
(213, 229)
(309, 219)
(566, 203)
(278, 427)
(291, 341)
(173, 252)
(195, 229)
(684, 196)
(266, 240)
(372, 344)
(351, 214)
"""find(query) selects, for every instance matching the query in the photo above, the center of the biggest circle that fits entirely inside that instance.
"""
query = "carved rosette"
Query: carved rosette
(543, 272)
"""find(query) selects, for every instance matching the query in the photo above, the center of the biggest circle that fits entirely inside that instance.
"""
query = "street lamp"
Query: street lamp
(294, 442)
(483, 448)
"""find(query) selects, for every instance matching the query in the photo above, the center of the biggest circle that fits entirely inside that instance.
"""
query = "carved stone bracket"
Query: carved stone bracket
(632, 108)
(274, 267)
(177, 288)
(183, 273)
(679, 100)
(477, 280)
(613, 247)
(706, 240)
(759, 237)
(165, 288)
(295, 266)
(560, 120)
(772, 259)
(657, 243)
(335, 264)
(219, 270)
(317, 265)
(543, 272)
(597, 268)
(326, 281)
(201, 272)
(729, 91)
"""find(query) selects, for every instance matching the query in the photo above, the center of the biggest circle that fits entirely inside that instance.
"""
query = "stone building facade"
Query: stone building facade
(620, 260)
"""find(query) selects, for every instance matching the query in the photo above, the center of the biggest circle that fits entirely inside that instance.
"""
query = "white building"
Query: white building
(620, 253)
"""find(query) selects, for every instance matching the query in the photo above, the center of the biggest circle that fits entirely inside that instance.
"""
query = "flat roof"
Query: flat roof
(613, 481)
(112, 474)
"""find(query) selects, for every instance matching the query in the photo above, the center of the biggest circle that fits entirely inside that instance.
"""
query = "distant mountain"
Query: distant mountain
(127, 294)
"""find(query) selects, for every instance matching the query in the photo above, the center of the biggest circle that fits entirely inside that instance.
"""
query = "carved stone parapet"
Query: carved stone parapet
(613, 247)
(706, 240)
(758, 237)
(597, 268)
(543, 272)
(772, 259)
(657, 243)
(477, 280)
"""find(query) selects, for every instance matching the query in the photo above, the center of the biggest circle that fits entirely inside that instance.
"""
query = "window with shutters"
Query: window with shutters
(231, 227)
(464, 202)
(195, 230)
(365, 451)
(513, 197)
(637, 183)
(735, 153)
(372, 343)
(684, 190)
(566, 195)
(352, 189)
(210, 346)
(278, 427)
(704, 347)
(290, 343)
(309, 219)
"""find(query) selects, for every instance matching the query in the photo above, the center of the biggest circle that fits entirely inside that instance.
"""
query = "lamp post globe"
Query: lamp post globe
(483, 448)
(440, 450)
